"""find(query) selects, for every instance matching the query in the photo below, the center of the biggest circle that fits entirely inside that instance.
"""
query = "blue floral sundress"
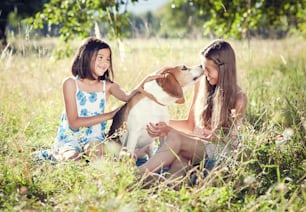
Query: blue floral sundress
(88, 104)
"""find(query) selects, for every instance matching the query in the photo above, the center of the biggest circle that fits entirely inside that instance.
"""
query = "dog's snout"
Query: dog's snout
(197, 72)
(195, 78)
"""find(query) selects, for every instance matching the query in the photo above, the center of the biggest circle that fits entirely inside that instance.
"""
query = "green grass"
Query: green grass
(263, 177)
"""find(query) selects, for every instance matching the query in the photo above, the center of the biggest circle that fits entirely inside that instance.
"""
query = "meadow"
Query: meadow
(267, 173)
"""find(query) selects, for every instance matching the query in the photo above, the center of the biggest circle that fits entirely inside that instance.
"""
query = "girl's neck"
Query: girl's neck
(90, 81)
(90, 85)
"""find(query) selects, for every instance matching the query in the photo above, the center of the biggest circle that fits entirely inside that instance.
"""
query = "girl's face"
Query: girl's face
(102, 62)
(211, 71)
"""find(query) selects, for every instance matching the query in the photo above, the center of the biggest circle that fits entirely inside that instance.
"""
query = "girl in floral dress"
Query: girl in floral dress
(83, 122)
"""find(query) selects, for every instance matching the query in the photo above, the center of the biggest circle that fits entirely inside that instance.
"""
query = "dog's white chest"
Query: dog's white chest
(144, 112)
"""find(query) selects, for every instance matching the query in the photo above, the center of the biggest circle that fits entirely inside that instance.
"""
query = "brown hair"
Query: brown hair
(214, 103)
(87, 52)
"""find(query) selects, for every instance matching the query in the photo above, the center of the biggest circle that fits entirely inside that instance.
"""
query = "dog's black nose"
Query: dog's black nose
(195, 78)
(184, 68)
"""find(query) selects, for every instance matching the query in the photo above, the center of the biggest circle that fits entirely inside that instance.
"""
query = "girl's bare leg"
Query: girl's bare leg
(164, 156)
(94, 150)
(176, 146)
(178, 168)
(71, 155)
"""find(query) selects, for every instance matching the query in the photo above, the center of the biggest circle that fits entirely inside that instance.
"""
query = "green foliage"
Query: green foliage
(179, 18)
(290, 107)
(76, 18)
(243, 19)
(80, 19)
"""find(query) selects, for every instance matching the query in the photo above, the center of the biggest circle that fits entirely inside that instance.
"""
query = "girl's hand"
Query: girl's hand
(206, 133)
(113, 113)
(157, 75)
(149, 78)
(209, 134)
(158, 129)
(163, 69)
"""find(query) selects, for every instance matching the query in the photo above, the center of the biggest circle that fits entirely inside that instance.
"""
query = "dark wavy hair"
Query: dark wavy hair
(86, 54)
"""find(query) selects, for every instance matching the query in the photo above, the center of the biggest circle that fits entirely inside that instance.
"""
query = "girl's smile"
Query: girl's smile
(211, 71)
(102, 62)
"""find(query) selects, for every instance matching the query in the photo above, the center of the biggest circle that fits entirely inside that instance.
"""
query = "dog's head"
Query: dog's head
(178, 78)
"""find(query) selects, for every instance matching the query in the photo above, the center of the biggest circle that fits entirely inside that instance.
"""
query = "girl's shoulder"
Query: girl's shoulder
(241, 99)
(111, 84)
(69, 82)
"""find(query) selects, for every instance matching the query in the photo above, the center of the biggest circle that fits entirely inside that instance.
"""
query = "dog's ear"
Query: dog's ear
(180, 101)
(171, 86)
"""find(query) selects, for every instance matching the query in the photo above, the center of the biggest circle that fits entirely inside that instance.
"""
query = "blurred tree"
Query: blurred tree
(76, 18)
(246, 18)
(21, 9)
(81, 18)
(144, 26)
(181, 20)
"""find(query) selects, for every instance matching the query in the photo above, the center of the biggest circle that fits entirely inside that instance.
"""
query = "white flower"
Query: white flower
(249, 180)
(288, 132)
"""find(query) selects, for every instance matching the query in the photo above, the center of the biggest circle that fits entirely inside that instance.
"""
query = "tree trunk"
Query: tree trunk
(3, 22)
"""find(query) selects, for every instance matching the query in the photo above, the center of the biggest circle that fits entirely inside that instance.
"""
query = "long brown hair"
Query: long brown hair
(82, 63)
(214, 102)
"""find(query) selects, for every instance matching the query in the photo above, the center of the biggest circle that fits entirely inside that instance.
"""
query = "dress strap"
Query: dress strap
(76, 82)
(104, 89)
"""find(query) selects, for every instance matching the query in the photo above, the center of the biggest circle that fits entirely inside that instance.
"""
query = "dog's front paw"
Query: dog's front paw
(126, 154)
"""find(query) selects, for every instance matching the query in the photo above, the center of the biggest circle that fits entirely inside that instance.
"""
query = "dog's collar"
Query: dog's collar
(150, 96)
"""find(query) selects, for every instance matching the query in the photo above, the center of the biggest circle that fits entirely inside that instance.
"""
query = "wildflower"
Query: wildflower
(249, 180)
(304, 124)
(288, 133)
(281, 187)
(22, 190)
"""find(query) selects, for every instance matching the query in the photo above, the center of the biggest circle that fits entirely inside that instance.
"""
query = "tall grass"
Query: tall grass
(264, 176)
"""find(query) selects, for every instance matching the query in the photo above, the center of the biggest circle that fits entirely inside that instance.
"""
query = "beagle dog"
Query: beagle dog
(150, 104)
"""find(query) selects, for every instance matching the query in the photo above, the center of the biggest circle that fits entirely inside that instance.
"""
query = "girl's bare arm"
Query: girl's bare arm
(122, 95)
(187, 125)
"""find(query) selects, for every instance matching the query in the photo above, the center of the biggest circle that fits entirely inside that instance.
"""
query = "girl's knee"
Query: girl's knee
(173, 137)
(94, 149)
(178, 167)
